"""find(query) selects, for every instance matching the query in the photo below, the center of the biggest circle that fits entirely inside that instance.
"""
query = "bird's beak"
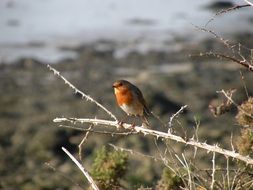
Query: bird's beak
(114, 86)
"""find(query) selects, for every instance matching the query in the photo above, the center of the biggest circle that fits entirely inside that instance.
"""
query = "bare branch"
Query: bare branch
(225, 42)
(243, 62)
(225, 106)
(175, 115)
(223, 11)
(228, 175)
(213, 171)
(231, 142)
(188, 171)
(249, 3)
(81, 143)
(112, 133)
(76, 90)
(244, 84)
(159, 134)
(230, 99)
(86, 174)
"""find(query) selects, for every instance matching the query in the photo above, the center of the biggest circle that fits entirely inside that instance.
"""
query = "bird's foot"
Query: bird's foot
(132, 126)
(120, 123)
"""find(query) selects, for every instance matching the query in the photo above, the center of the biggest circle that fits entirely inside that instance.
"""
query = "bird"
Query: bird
(130, 99)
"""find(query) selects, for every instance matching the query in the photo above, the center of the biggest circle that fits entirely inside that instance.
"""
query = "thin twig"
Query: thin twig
(244, 84)
(188, 171)
(231, 142)
(81, 143)
(234, 180)
(228, 175)
(225, 42)
(160, 134)
(243, 62)
(196, 129)
(185, 164)
(227, 10)
(76, 90)
(229, 98)
(213, 171)
(165, 161)
(249, 3)
(175, 115)
(86, 174)
(112, 133)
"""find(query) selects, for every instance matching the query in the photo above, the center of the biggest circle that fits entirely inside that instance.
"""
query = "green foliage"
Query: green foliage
(169, 181)
(109, 167)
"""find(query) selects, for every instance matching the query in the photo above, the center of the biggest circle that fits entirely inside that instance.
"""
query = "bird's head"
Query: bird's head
(121, 86)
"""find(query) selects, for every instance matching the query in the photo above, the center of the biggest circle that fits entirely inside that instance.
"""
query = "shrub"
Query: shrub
(169, 181)
(109, 167)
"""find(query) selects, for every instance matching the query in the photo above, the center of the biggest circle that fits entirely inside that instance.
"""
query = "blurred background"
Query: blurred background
(92, 44)
(41, 29)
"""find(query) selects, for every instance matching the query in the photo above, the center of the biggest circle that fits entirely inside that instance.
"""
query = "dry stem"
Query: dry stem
(230, 99)
(159, 134)
(228, 10)
(86, 174)
(249, 3)
(242, 62)
(81, 143)
(88, 98)
(175, 115)
(213, 171)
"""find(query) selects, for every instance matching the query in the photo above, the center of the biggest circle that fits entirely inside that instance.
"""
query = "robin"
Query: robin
(130, 100)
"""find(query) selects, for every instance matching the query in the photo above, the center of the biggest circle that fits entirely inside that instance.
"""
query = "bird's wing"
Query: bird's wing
(142, 100)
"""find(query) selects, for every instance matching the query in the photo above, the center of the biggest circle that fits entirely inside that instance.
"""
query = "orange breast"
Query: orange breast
(123, 96)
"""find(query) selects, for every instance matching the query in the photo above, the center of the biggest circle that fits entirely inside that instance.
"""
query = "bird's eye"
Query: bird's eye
(120, 84)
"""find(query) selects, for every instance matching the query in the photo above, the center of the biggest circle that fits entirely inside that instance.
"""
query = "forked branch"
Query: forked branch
(159, 134)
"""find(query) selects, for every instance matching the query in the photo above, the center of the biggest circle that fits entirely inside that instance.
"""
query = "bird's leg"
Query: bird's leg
(120, 123)
(145, 121)
(133, 125)
(134, 121)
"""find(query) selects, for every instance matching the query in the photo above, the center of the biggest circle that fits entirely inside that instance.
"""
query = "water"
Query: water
(39, 28)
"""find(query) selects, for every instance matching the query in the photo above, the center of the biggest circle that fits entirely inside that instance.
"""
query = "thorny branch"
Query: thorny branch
(243, 62)
(249, 3)
(223, 11)
(128, 129)
(77, 91)
(213, 171)
(86, 174)
(231, 100)
(223, 107)
(159, 134)
(175, 115)
(225, 42)
(112, 133)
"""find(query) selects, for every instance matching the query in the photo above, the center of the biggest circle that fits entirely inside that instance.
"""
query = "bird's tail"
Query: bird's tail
(145, 121)
(148, 113)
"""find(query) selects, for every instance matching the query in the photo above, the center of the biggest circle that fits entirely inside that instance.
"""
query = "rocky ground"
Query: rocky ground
(31, 97)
